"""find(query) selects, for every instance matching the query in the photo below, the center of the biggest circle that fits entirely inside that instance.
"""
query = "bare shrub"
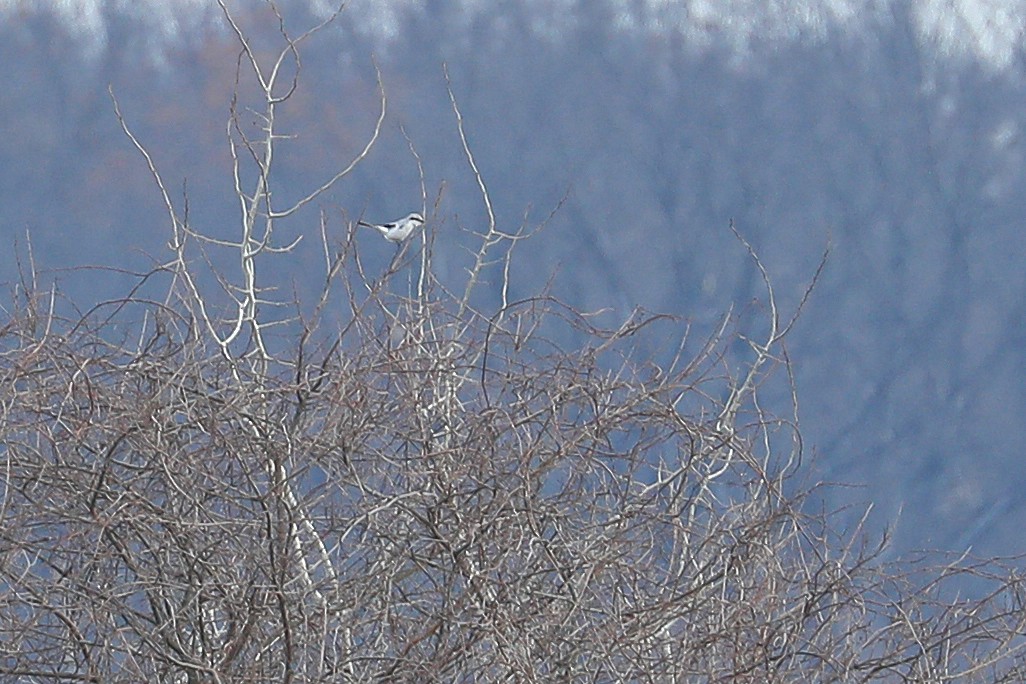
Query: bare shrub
(430, 492)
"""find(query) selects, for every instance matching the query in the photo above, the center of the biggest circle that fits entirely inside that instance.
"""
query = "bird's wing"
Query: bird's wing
(390, 226)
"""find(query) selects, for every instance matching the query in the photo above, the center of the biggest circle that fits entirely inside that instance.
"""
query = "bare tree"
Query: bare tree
(431, 491)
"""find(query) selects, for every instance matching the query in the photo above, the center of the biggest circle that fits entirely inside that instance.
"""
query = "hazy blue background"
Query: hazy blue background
(892, 129)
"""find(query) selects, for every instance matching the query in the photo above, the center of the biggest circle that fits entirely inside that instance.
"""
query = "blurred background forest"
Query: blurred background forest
(890, 129)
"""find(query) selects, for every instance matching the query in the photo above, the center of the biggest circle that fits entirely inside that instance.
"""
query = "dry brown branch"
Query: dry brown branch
(556, 520)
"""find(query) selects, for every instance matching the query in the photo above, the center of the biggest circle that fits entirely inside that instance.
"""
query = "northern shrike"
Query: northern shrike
(399, 230)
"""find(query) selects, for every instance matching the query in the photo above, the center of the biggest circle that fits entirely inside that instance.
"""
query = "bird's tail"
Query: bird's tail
(364, 223)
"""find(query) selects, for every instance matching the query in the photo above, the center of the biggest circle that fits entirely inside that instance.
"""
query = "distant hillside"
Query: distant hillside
(895, 135)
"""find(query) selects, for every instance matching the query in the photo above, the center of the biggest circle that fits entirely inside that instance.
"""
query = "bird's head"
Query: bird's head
(415, 217)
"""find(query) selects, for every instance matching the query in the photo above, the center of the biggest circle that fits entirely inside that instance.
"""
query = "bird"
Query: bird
(398, 230)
